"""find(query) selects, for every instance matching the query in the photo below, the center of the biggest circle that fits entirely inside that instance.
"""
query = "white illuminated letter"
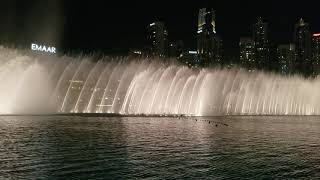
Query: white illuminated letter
(44, 49)
(39, 48)
(33, 47)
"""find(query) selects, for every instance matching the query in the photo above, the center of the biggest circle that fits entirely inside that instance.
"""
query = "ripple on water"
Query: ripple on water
(164, 148)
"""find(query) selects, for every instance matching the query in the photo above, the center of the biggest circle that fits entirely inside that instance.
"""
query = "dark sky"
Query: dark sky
(115, 26)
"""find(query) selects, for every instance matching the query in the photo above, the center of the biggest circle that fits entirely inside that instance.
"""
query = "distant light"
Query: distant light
(152, 24)
(137, 52)
(316, 35)
(42, 48)
(192, 52)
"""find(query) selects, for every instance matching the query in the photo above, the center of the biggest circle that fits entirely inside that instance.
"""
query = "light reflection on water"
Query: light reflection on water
(140, 147)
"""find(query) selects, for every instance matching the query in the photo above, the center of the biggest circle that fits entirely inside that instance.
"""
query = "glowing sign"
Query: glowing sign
(192, 52)
(42, 48)
(317, 34)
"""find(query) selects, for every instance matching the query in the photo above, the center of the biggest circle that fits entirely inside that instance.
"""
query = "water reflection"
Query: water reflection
(141, 147)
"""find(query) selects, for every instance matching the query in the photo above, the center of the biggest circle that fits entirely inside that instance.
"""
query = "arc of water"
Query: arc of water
(138, 87)
(238, 97)
(128, 95)
(93, 95)
(195, 92)
(183, 95)
(62, 77)
(176, 95)
(158, 86)
(70, 85)
(107, 86)
(166, 90)
(132, 88)
(231, 91)
(128, 74)
(174, 82)
(93, 70)
(149, 84)
(199, 103)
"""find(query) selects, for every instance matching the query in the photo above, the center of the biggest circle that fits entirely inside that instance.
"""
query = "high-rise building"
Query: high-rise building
(158, 39)
(208, 42)
(302, 41)
(217, 50)
(286, 57)
(316, 53)
(247, 56)
(260, 38)
(176, 49)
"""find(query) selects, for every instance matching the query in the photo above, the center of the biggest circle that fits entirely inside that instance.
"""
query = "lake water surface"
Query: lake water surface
(72, 147)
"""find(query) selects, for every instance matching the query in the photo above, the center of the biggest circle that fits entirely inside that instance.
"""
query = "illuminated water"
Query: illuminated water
(62, 147)
(33, 84)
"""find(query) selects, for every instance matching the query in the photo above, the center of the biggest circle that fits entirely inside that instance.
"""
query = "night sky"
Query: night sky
(115, 27)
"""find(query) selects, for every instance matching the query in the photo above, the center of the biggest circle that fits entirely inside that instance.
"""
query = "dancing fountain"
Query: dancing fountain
(51, 84)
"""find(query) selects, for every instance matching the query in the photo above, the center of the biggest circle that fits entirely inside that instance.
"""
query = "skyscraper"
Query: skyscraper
(176, 49)
(316, 53)
(158, 39)
(208, 42)
(302, 41)
(247, 48)
(260, 38)
(286, 57)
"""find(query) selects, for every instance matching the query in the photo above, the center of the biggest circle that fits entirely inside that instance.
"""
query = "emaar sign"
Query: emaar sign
(42, 48)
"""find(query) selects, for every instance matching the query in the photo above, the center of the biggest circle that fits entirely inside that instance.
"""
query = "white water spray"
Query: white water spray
(51, 84)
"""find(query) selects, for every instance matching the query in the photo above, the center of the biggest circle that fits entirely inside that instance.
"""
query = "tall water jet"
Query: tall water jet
(38, 83)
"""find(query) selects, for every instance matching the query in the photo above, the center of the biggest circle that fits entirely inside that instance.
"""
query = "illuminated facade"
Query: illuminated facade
(158, 39)
(247, 56)
(260, 37)
(206, 20)
(316, 53)
(209, 43)
(286, 57)
(302, 41)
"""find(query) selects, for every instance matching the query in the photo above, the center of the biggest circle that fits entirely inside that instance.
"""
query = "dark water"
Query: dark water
(159, 148)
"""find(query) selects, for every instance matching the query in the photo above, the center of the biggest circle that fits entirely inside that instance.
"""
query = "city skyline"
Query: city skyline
(118, 28)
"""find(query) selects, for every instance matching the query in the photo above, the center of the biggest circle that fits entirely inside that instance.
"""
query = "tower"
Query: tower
(247, 58)
(316, 53)
(208, 42)
(286, 56)
(302, 41)
(260, 38)
(158, 39)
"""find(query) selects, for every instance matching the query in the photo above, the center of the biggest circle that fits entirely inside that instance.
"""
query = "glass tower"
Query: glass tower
(209, 44)
(158, 39)
(302, 41)
(286, 56)
(247, 58)
(316, 53)
(260, 37)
